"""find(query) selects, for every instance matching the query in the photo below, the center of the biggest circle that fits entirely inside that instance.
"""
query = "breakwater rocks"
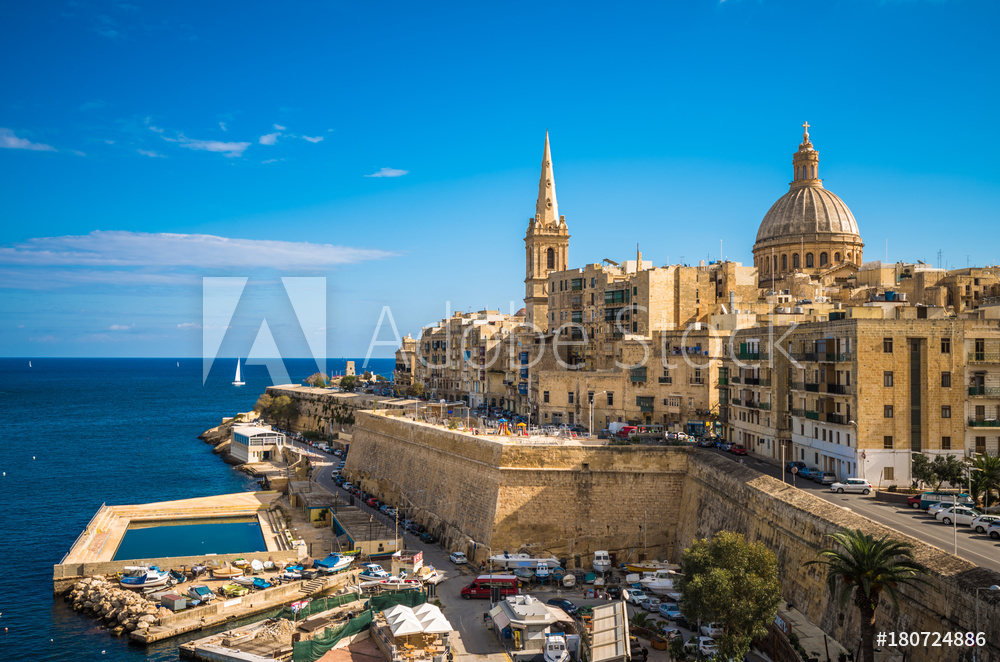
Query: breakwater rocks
(221, 435)
(120, 609)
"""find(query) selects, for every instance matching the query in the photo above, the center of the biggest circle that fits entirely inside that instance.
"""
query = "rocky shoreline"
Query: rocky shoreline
(120, 609)
(220, 436)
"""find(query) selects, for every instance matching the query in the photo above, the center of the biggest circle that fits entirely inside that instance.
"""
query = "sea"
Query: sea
(78, 433)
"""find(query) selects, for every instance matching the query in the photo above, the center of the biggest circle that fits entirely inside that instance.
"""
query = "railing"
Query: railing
(766, 406)
(835, 418)
(812, 415)
(840, 389)
(736, 379)
(812, 388)
(985, 391)
(984, 423)
(667, 380)
(723, 381)
(696, 382)
(752, 356)
(984, 357)
(795, 411)
(836, 357)
(805, 356)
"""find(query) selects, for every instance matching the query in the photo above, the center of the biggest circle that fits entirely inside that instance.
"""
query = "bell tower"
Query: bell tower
(546, 245)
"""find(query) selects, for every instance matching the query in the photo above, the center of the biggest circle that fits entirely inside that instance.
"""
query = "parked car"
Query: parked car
(994, 531)
(634, 595)
(347, 486)
(428, 538)
(825, 478)
(615, 592)
(670, 610)
(738, 450)
(982, 523)
(703, 645)
(795, 465)
(563, 604)
(809, 472)
(942, 506)
(671, 634)
(712, 629)
(913, 501)
(702, 443)
(458, 558)
(725, 446)
(338, 453)
(960, 515)
(858, 485)
(650, 604)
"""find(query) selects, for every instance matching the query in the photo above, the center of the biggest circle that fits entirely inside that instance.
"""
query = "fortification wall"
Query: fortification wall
(794, 524)
(321, 410)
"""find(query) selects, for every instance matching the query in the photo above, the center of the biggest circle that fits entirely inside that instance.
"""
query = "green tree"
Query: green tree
(283, 408)
(349, 383)
(264, 404)
(949, 470)
(415, 390)
(989, 468)
(921, 469)
(734, 582)
(868, 567)
(317, 379)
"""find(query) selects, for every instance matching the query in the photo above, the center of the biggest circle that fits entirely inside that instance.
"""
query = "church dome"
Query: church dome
(807, 210)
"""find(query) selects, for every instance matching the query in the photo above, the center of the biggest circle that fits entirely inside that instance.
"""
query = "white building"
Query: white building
(256, 443)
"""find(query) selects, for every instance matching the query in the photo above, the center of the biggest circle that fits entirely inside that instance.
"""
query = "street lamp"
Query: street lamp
(592, 401)
(489, 558)
(978, 589)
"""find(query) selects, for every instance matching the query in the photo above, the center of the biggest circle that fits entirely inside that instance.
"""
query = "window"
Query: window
(946, 443)
(981, 445)
(887, 345)
(945, 411)
(784, 263)
(946, 345)
(887, 411)
(569, 397)
(550, 258)
(545, 396)
(887, 378)
(836, 257)
(945, 380)
(809, 260)
(795, 260)
(889, 473)
(590, 397)
(823, 258)
(887, 442)
(611, 399)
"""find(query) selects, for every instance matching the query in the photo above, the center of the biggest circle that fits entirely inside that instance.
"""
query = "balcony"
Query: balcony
(723, 381)
(736, 379)
(751, 381)
(978, 422)
(835, 357)
(836, 418)
(805, 356)
(984, 391)
(840, 389)
(984, 357)
(812, 388)
(752, 356)
(766, 406)
(665, 380)
(812, 415)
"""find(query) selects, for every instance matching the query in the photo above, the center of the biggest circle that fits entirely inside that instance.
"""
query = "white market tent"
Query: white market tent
(425, 619)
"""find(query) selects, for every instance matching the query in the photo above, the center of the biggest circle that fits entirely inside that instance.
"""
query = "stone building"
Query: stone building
(546, 244)
(406, 358)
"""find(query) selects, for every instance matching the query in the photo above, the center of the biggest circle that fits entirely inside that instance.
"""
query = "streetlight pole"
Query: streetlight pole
(490, 559)
(978, 589)
(592, 401)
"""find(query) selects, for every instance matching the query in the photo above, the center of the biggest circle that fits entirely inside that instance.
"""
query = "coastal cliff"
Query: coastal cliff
(221, 435)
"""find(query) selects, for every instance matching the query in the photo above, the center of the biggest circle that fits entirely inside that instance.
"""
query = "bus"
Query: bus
(928, 499)
(480, 588)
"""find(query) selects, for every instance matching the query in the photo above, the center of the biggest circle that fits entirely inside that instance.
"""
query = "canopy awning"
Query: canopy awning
(500, 617)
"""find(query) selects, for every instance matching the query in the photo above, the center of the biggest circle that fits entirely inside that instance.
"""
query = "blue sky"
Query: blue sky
(393, 148)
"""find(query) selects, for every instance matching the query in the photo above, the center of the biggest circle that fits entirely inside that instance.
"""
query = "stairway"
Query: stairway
(313, 586)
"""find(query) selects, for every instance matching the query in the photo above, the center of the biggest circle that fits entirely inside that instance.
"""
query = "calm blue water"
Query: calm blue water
(81, 432)
(191, 538)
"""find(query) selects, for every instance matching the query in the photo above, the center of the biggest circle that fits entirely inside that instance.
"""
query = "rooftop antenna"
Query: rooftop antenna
(939, 258)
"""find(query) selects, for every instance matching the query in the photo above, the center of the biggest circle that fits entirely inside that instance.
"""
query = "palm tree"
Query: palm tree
(988, 467)
(869, 566)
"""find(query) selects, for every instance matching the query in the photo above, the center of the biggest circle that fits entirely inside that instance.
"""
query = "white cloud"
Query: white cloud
(77, 152)
(279, 127)
(269, 139)
(120, 327)
(9, 141)
(151, 127)
(150, 153)
(389, 172)
(158, 251)
(222, 125)
(189, 325)
(312, 139)
(230, 149)
(272, 160)
(110, 142)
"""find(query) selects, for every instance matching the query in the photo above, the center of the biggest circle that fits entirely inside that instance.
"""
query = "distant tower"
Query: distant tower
(546, 245)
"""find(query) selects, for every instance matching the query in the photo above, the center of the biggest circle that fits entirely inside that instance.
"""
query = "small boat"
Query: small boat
(660, 581)
(225, 572)
(602, 561)
(198, 570)
(260, 583)
(29, 364)
(589, 578)
(178, 576)
(649, 566)
(201, 592)
(428, 575)
(256, 566)
(234, 590)
(333, 563)
(241, 563)
(507, 560)
(542, 572)
(524, 573)
(243, 580)
(558, 573)
(293, 568)
(239, 380)
(141, 577)
(569, 581)
(401, 584)
(289, 576)
(269, 565)
(373, 571)
(555, 648)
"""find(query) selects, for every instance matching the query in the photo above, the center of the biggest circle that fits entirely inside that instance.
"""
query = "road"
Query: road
(976, 548)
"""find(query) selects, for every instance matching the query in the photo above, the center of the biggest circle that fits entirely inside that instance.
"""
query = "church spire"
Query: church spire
(546, 208)
(805, 162)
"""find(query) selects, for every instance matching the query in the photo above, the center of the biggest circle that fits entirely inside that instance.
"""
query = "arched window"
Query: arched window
(848, 256)
(795, 260)
(775, 262)
(836, 257)
(822, 259)
(784, 263)
(550, 258)
(809, 260)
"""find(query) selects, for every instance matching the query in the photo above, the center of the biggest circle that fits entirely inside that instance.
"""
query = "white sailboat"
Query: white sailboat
(239, 380)
(29, 364)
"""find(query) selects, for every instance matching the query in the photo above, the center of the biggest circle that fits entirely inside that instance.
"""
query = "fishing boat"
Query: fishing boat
(401, 584)
(555, 648)
(201, 593)
(292, 567)
(225, 572)
(256, 566)
(558, 573)
(428, 575)
(289, 576)
(198, 570)
(178, 576)
(269, 565)
(333, 563)
(569, 580)
(507, 560)
(602, 561)
(260, 583)
(241, 563)
(139, 577)
(524, 573)
(234, 590)
(373, 571)
(239, 380)
(542, 572)
(659, 582)
(243, 580)
(649, 566)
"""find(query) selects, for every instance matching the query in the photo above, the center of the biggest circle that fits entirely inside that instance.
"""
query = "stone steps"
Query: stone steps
(313, 585)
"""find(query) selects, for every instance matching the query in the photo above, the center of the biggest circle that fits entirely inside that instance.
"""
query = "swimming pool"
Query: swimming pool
(191, 537)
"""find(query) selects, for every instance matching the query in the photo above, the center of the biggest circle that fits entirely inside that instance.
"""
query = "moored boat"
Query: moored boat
(659, 582)
(140, 577)
(256, 566)
(289, 576)
(558, 573)
(555, 648)
(333, 563)
(241, 563)
(507, 560)
(428, 575)
(569, 580)
(201, 593)
(602, 561)
(400, 584)
(648, 566)
(244, 580)
(542, 571)
(225, 572)
(269, 565)
(260, 583)
(524, 573)
(589, 578)
(178, 576)
(373, 571)
(234, 590)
